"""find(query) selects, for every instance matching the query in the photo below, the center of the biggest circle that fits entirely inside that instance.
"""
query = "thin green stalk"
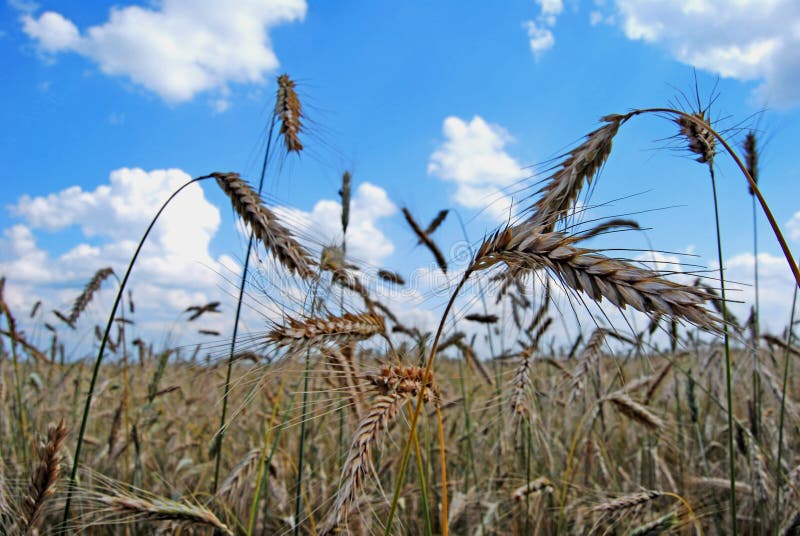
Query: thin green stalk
(778, 468)
(262, 462)
(221, 434)
(301, 447)
(756, 330)
(420, 399)
(728, 372)
(103, 342)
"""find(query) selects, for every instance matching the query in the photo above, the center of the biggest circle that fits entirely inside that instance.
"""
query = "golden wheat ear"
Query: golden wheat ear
(272, 234)
(290, 113)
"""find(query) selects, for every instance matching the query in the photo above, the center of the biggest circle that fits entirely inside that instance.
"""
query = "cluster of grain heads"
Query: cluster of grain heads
(265, 226)
(395, 385)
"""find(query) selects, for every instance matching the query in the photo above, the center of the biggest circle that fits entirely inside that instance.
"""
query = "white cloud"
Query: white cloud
(551, 7)
(776, 285)
(473, 156)
(708, 34)
(175, 267)
(365, 242)
(794, 226)
(540, 39)
(177, 48)
(52, 31)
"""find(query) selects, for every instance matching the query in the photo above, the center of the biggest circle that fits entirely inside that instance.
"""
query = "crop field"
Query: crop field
(338, 417)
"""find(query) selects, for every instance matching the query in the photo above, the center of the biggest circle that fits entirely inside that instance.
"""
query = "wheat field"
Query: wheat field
(339, 418)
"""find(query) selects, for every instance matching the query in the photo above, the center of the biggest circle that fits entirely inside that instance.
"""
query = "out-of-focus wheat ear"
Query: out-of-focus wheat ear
(627, 502)
(436, 222)
(540, 485)
(635, 411)
(750, 147)
(521, 385)
(699, 138)
(589, 356)
(290, 113)
(563, 186)
(157, 509)
(661, 525)
(356, 467)
(391, 277)
(82, 301)
(481, 319)
(657, 382)
(265, 225)
(299, 332)
(425, 239)
(43, 478)
(344, 193)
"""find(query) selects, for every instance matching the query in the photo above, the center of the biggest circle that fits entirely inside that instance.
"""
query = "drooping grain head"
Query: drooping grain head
(265, 226)
(698, 136)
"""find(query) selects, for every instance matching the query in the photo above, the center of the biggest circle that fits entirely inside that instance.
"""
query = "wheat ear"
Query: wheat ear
(562, 188)
(82, 301)
(265, 225)
(313, 330)
(43, 478)
(290, 113)
(622, 283)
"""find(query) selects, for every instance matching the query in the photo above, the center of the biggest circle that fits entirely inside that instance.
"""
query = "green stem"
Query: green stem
(728, 373)
(103, 342)
(226, 393)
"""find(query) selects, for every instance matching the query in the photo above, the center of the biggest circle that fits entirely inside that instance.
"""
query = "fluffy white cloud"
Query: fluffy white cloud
(473, 156)
(177, 48)
(794, 226)
(175, 268)
(742, 39)
(540, 38)
(52, 31)
(365, 242)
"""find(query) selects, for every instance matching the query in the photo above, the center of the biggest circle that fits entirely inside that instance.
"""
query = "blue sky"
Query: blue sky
(430, 104)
